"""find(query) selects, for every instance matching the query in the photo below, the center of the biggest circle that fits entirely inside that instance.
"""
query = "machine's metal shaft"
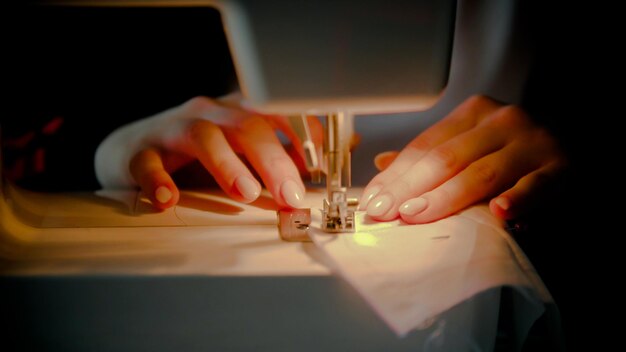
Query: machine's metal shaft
(338, 212)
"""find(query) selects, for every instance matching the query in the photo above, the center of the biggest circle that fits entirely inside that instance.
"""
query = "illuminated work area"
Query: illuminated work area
(283, 175)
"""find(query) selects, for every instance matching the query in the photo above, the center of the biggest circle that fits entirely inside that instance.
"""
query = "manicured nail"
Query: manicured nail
(292, 193)
(413, 206)
(503, 202)
(249, 189)
(379, 205)
(367, 197)
(163, 194)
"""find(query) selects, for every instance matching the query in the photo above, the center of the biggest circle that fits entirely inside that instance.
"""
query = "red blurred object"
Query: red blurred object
(25, 155)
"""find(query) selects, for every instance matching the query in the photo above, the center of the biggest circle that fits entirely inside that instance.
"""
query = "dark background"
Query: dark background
(98, 68)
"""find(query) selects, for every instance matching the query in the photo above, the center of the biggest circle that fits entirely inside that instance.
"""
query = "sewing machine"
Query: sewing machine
(338, 59)
(295, 58)
(335, 59)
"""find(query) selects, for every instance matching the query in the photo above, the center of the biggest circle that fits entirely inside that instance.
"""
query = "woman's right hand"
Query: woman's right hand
(147, 152)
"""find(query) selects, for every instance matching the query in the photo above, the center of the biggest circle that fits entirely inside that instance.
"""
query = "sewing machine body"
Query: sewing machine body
(116, 275)
(295, 57)
(84, 271)
(339, 59)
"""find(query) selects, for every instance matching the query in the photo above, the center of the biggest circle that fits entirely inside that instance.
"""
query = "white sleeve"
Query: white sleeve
(164, 130)
(112, 158)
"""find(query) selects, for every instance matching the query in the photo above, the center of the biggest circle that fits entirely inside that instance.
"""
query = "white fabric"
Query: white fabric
(411, 273)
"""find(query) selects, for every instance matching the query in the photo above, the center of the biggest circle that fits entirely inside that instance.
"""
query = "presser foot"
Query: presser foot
(338, 214)
(337, 217)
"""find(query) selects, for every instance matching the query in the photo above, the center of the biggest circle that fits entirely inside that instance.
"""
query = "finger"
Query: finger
(465, 117)
(384, 159)
(268, 157)
(214, 152)
(436, 167)
(223, 112)
(518, 199)
(484, 178)
(148, 171)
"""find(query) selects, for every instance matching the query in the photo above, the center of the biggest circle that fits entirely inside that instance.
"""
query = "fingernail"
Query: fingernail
(367, 197)
(292, 193)
(163, 194)
(503, 202)
(379, 205)
(413, 206)
(249, 189)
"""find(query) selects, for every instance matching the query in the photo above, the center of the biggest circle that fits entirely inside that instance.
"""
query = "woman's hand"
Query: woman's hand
(148, 151)
(482, 150)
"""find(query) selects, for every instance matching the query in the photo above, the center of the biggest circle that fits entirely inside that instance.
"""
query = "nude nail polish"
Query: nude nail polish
(503, 202)
(163, 194)
(413, 206)
(249, 189)
(367, 196)
(292, 193)
(379, 205)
